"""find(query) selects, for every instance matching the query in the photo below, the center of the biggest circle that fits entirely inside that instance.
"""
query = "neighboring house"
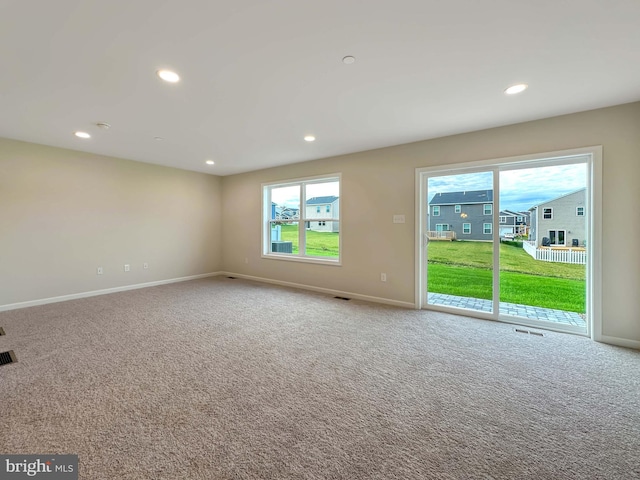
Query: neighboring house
(560, 221)
(328, 208)
(469, 214)
(287, 213)
(513, 223)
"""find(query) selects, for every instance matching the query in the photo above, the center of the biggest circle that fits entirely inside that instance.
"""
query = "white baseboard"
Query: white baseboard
(339, 293)
(620, 342)
(93, 293)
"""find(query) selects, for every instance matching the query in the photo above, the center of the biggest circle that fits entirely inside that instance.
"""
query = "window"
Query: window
(442, 227)
(519, 219)
(503, 219)
(547, 213)
(436, 210)
(487, 228)
(292, 226)
(557, 237)
(458, 208)
(580, 211)
(466, 228)
(488, 209)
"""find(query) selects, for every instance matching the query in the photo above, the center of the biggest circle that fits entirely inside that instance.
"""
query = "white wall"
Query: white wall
(63, 213)
(382, 181)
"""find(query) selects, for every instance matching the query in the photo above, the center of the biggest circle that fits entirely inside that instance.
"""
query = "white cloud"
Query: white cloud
(519, 189)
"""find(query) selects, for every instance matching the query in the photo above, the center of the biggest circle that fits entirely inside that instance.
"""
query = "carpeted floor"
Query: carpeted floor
(229, 379)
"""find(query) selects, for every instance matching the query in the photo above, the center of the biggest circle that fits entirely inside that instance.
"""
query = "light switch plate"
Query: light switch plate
(398, 219)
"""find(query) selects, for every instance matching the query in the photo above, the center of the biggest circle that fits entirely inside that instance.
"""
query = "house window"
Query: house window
(302, 235)
(557, 237)
(466, 228)
(580, 211)
(436, 210)
(458, 208)
(547, 213)
(442, 227)
(488, 209)
(487, 228)
(519, 219)
(503, 219)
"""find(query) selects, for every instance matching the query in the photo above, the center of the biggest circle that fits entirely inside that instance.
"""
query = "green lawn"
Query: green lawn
(319, 244)
(464, 269)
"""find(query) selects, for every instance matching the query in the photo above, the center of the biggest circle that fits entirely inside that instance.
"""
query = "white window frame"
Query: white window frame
(484, 209)
(436, 210)
(464, 227)
(578, 209)
(446, 229)
(503, 219)
(520, 218)
(458, 208)
(302, 221)
(545, 213)
(484, 228)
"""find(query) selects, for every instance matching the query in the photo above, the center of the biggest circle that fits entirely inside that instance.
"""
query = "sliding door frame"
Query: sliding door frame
(592, 156)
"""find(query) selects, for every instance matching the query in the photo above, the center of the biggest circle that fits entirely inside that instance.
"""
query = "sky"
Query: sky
(519, 189)
(290, 196)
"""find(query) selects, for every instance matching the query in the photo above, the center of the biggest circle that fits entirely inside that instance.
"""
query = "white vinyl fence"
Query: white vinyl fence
(554, 255)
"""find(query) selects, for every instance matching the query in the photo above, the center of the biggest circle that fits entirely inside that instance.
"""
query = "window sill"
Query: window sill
(294, 258)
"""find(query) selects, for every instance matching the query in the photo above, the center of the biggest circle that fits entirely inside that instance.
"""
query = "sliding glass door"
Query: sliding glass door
(508, 241)
(460, 234)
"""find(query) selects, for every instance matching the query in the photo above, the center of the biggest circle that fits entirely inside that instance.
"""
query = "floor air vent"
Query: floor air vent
(342, 298)
(530, 332)
(2, 331)
(7, 357)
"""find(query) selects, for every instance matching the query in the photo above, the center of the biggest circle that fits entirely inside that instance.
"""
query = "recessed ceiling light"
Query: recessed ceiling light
(348, 60)
(84, 135)
(159, 139)
(513, 89)
(103, 125)
(309, 138)
(168, 76)
(210, 162)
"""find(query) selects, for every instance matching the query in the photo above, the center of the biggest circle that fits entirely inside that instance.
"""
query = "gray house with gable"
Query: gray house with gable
(468, 213)
(514, 223)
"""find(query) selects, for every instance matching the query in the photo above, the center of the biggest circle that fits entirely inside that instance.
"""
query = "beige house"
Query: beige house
(560, 222)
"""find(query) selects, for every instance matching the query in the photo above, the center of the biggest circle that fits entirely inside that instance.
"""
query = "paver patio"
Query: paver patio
(525, 311)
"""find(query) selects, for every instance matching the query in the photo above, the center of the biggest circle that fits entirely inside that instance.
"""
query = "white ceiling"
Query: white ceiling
(258, 75)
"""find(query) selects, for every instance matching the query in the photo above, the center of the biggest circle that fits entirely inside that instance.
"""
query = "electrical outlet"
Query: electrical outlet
(383, 277)
(127, 267)
(145, 265)
(100, 271)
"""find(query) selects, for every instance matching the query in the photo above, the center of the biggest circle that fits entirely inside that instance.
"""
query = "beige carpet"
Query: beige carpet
(228, 379)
